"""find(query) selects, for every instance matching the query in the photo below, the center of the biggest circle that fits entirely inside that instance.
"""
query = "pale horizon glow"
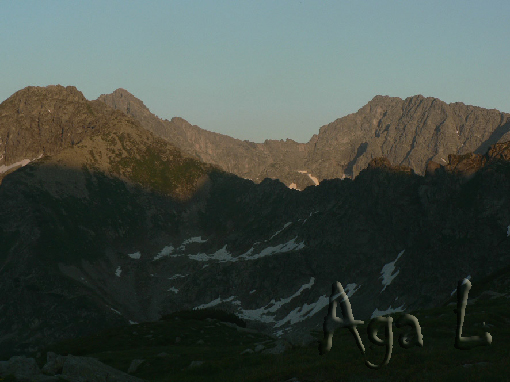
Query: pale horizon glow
(259, 70)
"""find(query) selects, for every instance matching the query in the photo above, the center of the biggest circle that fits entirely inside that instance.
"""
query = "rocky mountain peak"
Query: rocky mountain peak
(379, 101)
(38, 121)
(126, 102)
(180, 121)
(121, 92)
(36, 97)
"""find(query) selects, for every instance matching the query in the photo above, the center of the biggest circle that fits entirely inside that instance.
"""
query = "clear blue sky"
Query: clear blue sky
(261, 69)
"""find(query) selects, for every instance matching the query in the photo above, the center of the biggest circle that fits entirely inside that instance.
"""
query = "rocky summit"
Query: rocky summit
(42, 121)
(116, 225)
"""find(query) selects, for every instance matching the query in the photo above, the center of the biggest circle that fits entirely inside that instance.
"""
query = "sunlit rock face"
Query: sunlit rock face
(408, 132)
(123, 227)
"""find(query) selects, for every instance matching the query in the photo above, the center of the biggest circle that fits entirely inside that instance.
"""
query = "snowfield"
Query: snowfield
(387, 271)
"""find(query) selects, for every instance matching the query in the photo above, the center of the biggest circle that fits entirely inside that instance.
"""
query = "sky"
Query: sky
(259, 70)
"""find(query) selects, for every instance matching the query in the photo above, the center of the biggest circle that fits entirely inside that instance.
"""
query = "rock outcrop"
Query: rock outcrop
(468, 164)
(68, 368)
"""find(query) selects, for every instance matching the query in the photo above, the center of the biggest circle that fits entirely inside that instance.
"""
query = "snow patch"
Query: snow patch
(135, 255)
(196, 239)
(172, 289)
(261, 314)
(223, 255)
(308, 310)
(248, 252)
(350, 289)
(390, 310)
(291, 245)
(266, 313)
(133, 322)
(508, 231)
(313, 178)
(176, 276)
(304, 312)
(253, 291)
(22, 163)
(311, 213)
(213, 303)
(116, 311)
(285, 226)
(280, 332)
(387, 271)
(118, 271)
(455, 290)
(167, 251)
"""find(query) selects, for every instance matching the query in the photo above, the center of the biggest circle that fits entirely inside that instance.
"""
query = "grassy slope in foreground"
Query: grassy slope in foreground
(437, 360)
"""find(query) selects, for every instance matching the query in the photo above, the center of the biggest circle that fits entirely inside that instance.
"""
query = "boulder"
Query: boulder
(24, 369)
(134, 365)
(195, 364)
(281, 347)
(431, 168)
(87, 369)
(54, 364)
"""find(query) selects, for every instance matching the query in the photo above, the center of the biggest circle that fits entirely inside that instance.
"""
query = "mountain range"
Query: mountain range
(110, 215)
(408, 132)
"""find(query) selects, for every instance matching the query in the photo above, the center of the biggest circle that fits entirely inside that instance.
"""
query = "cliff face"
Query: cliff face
(408, 132)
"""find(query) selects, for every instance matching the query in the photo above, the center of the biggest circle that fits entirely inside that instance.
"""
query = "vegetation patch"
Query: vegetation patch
(167, 176)
(202, 314)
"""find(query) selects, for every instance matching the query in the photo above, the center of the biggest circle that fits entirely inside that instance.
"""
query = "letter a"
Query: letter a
(332, 320)
(408, 340)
